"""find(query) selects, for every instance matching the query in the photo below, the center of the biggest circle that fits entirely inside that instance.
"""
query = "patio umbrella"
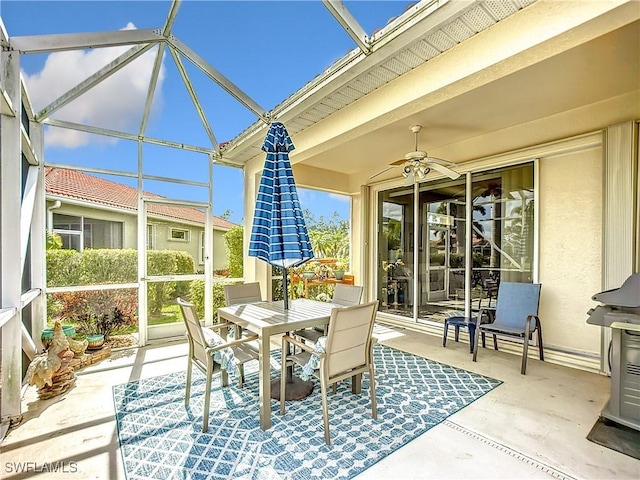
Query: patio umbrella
(279, 235)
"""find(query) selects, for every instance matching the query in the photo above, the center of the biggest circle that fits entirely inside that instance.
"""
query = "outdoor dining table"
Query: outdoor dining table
(271, 318)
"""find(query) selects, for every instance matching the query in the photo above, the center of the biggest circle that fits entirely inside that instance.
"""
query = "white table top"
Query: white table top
(271, 318)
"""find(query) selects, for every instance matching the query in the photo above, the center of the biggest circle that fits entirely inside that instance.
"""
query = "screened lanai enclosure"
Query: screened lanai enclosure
(525, 170)
(34, 290)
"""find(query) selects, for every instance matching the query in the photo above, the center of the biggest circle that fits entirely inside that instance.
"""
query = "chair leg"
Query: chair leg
(540, 346)
(372, 390)
(240, 376)
(525, 352)
(495, 342)
(444, 334)
(472, 335)
(475, 342)
(283, 377)
(325, 409)
(207, 399)
(457, 333)
(484, 340)
(187, 394)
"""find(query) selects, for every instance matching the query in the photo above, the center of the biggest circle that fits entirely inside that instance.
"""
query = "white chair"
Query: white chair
(242, 293)
(348, 352)
(342, 295)
(204, 344)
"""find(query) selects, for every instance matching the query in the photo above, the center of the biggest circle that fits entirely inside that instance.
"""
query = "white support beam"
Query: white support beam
(194, 98)
(105, 72)
(26, 212)
(10, 261)
(124, 135)
(171, 17)
(5, 105)
(349, 23)
(82, 41)
(27, 148)
(218, 77)
(153, 83)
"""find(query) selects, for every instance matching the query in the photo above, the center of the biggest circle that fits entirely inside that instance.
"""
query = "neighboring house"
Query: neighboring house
(91, 212)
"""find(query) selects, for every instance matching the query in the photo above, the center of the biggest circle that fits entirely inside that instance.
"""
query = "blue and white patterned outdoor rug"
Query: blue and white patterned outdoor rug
(162, 439)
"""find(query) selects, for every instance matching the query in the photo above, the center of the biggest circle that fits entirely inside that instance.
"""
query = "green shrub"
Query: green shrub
(196, 295)
(235, 250)
(63, 268)
(110, 311)
(108, 265)
(166, 262)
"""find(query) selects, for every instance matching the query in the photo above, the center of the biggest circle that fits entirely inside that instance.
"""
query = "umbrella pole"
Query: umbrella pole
(286, 289)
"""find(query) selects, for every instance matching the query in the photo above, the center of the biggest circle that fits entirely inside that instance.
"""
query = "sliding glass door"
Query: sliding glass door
(421, 271)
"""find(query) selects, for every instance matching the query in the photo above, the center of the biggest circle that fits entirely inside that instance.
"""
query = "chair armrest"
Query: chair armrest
(233, 343)
(218, 326)
(302, 345)
(533, 321)
(488, 313)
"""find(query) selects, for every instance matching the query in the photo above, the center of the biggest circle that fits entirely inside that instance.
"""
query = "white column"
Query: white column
(10, 261)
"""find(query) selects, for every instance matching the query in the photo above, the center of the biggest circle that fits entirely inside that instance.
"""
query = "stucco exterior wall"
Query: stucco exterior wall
(162, 240)
(570, 188)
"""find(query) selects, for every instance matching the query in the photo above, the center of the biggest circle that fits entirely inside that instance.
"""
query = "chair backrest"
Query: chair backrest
(515, 302)
(347, 294)
(349, 339)
(197, 342)
(242, 293)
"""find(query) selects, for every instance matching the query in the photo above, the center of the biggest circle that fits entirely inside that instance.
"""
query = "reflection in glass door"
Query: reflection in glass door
(442, 248)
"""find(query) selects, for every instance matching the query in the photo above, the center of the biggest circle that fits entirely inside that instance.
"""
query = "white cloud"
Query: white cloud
(338, 196)
(117, 103)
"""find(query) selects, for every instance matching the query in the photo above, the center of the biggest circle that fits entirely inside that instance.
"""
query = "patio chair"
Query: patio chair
(342, 295)
(208, 349)
(242, 293)
(348, 352)
(516, 315)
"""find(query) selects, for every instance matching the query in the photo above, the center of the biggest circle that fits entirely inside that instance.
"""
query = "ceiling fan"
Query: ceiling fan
(417, 164)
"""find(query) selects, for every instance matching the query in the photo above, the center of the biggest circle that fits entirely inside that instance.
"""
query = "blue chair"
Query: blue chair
(516, 315)
(458, 321)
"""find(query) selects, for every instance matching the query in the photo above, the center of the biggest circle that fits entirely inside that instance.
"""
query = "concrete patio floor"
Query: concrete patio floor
(532, 426)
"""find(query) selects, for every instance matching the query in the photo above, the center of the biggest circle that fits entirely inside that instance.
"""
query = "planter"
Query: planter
(47, 334)
(95, 342)
(308, 275)
(339, 274)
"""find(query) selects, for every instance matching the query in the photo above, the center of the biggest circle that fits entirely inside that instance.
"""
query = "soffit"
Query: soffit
(356, 75)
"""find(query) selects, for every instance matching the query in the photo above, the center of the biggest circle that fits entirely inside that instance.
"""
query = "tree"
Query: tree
(234, 241)
(329, 238)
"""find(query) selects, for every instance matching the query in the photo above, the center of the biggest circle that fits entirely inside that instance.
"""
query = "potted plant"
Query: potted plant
(308, 271)
(339, 270)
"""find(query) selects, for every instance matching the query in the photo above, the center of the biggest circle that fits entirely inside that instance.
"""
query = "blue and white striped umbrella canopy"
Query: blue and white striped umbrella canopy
(279, 235)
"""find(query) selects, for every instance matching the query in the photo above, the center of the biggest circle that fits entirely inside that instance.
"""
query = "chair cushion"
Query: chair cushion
(314, 360)
(225, 356)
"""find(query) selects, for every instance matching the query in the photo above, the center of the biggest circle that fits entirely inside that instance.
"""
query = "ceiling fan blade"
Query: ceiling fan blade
(444, 170)
(380, 172)
(398, 162)
(441, 161)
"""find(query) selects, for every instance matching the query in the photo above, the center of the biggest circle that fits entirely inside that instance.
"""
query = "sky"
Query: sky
(268, 49)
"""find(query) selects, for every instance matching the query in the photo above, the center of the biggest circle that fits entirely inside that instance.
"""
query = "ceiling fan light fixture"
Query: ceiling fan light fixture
(406, 171)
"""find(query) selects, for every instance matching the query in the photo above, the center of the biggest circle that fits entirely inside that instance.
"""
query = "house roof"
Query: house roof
(100, 192)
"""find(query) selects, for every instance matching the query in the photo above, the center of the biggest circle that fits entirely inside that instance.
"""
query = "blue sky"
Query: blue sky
(268, 49)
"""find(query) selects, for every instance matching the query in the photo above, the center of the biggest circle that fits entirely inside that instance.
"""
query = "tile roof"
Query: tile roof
(100, 192)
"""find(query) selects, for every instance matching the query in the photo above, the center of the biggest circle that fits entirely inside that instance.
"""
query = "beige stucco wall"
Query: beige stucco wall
(570, 188)
(220, 261)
